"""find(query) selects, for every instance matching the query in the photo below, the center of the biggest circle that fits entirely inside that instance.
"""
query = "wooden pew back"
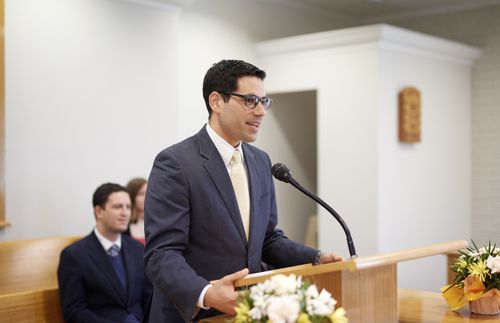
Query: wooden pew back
(30, 264)
(31, 306)
(28, 280)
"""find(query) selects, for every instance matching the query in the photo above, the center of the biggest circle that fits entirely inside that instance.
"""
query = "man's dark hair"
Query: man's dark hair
(223, 77)
(102, 193)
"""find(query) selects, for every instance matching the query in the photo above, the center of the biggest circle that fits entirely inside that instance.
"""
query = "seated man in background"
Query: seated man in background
(101, 277)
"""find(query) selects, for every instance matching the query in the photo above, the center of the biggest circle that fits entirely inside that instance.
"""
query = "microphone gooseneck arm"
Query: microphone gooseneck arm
(350, 243)
(282, 173)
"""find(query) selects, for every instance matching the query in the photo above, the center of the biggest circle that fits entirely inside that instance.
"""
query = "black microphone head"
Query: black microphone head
(281, 173)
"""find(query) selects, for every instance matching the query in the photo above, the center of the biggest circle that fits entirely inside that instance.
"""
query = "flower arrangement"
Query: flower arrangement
(477, 279)
(287, 299)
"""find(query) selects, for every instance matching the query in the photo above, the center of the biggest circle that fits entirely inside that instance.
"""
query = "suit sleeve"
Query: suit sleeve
(167, 222)
(72, 292)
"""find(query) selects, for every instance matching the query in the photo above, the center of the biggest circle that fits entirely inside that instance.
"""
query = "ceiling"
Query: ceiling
(366, 10)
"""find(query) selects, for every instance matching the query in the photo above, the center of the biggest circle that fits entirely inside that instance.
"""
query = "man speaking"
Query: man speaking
(210, 212)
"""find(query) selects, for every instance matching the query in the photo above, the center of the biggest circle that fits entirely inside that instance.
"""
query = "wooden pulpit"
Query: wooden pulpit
(365, 287)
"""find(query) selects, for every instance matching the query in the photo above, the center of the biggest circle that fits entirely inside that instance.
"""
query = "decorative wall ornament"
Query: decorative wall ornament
(409, 115)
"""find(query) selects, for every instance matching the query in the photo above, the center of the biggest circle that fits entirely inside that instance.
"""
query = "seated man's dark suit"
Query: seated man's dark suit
(89, 285)
(194, 229)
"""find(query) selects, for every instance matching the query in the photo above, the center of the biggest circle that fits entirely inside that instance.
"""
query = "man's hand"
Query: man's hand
(330, 257)
(222, 295)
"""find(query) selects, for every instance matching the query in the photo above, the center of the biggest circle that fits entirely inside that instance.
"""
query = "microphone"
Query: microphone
(282, 173)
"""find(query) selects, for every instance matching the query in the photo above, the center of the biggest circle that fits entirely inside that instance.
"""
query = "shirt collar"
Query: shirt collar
(106, 244)
(225, 149)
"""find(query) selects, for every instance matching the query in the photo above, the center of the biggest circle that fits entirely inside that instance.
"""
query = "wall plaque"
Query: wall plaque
(409, 115)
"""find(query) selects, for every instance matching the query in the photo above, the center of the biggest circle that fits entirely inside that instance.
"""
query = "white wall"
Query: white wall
(346, 131)
(95, 88)
(392, 196)
(480, 28)
(424, 188)
(90, 98)
(217, 29)
(199, 48)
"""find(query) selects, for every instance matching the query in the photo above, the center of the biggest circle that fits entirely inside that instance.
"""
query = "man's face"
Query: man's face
(236, 122)
(114, 217)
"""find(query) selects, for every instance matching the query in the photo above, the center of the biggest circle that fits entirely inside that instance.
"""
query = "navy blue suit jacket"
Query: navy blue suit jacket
(194, 230)
(89, 287)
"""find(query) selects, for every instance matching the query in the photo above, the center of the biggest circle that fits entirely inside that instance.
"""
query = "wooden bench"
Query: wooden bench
(28, 280)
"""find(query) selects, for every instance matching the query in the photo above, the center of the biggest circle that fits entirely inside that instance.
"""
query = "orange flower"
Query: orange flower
(454, 296)
(473, 288)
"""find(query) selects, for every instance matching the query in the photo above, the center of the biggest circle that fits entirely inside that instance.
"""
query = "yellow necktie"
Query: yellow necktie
(240, 186)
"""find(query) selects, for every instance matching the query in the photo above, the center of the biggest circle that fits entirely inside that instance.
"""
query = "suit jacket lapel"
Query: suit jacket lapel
(253, 179)
(218, 173)
(100, 258)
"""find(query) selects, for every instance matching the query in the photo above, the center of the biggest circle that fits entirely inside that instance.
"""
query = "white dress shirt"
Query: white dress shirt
(106, 244)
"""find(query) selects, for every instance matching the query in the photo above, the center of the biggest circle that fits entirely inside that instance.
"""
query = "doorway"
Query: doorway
(288, 135)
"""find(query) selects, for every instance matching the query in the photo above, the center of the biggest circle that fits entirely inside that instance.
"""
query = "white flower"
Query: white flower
(257, 293)
(322, 304)
(256, 313)
(326, 297)
(483, 250)
(312, 292)
(477, 254)
(493, 263)
(282, 284)
(280, 299)
(283, 309)
(474, 254)
(260, 305)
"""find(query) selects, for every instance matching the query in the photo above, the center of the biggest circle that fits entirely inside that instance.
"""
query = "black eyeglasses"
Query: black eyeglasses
(251, 101)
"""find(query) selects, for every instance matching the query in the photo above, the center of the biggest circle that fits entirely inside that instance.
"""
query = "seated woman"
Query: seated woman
(137, 190)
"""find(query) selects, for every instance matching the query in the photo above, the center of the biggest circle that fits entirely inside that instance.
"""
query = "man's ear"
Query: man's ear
(98, 211)
(215, 100)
